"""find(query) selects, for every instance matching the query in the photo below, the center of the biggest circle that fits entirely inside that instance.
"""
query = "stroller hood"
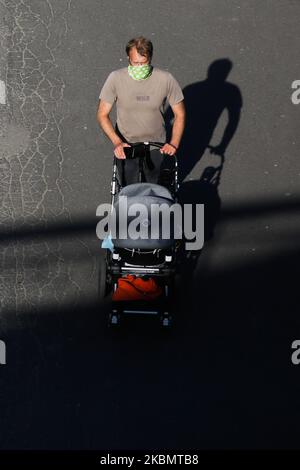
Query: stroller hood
(141, 190)
(154, 198)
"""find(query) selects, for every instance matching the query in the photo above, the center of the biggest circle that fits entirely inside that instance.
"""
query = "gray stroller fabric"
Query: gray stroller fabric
(146, 194)
(145, 189)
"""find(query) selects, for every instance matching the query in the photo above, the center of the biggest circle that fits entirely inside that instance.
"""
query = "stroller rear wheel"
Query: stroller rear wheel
(114, 320)
(104, 278)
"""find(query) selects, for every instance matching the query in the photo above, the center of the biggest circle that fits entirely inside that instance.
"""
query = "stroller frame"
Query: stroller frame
(159, 263)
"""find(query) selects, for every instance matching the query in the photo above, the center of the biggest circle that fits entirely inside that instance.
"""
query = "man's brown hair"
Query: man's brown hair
(143, 46)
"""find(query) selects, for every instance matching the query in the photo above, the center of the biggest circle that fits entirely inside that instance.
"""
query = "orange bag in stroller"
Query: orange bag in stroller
(131, 287)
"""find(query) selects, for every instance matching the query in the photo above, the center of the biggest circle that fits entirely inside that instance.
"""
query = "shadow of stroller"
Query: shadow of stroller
(202, 191)
(205, 101)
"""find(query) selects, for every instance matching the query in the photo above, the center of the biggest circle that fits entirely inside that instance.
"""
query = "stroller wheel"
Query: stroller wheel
(114, 319)
(102, 278)
(166, 320)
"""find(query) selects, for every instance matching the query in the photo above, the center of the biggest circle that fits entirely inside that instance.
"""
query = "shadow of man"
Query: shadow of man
(205, 101)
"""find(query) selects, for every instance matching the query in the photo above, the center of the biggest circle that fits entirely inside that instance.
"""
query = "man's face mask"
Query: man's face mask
(140, 72)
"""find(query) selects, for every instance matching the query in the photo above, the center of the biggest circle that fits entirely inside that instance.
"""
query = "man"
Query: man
(140, 92)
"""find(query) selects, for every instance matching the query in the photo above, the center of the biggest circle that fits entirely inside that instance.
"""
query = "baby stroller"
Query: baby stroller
(153, 258)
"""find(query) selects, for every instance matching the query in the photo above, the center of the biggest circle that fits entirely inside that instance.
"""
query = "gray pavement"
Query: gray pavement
(223, 378)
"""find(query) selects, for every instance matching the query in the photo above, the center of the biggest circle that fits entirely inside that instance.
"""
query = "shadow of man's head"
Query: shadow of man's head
(219, 70)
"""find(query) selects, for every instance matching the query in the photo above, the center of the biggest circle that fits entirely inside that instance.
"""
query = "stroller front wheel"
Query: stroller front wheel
(166, 320)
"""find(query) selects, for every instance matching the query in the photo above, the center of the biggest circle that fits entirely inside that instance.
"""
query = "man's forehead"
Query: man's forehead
(134, 55)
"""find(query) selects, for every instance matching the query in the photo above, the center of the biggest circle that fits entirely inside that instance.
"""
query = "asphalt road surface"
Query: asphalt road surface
(223, 377)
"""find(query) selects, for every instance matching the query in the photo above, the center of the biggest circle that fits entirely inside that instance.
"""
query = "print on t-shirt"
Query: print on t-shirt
(143, 98)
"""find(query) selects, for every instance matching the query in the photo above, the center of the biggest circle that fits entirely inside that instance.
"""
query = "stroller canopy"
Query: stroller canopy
(141, 190)
(154, 198)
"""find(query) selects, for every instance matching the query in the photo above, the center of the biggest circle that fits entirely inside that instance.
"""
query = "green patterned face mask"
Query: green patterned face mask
(139, 72)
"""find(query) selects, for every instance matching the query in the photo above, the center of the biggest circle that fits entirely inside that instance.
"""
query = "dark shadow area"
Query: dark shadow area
(223, 378)
(27, 232)
(87, 225)
(205, 101)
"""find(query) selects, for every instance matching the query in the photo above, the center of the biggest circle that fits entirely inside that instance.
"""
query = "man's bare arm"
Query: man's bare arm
(177, 128)
(178, 123)
(104, 121)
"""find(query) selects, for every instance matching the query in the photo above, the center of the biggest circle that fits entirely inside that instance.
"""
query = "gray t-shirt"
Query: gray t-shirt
(141, 103)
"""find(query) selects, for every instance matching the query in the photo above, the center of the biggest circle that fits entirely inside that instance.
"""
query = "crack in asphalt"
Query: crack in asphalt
(32, 183)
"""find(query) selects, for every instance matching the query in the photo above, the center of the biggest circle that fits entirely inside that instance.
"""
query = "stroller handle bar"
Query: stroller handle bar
(155, 144)
(115, 181)
(146, 144)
